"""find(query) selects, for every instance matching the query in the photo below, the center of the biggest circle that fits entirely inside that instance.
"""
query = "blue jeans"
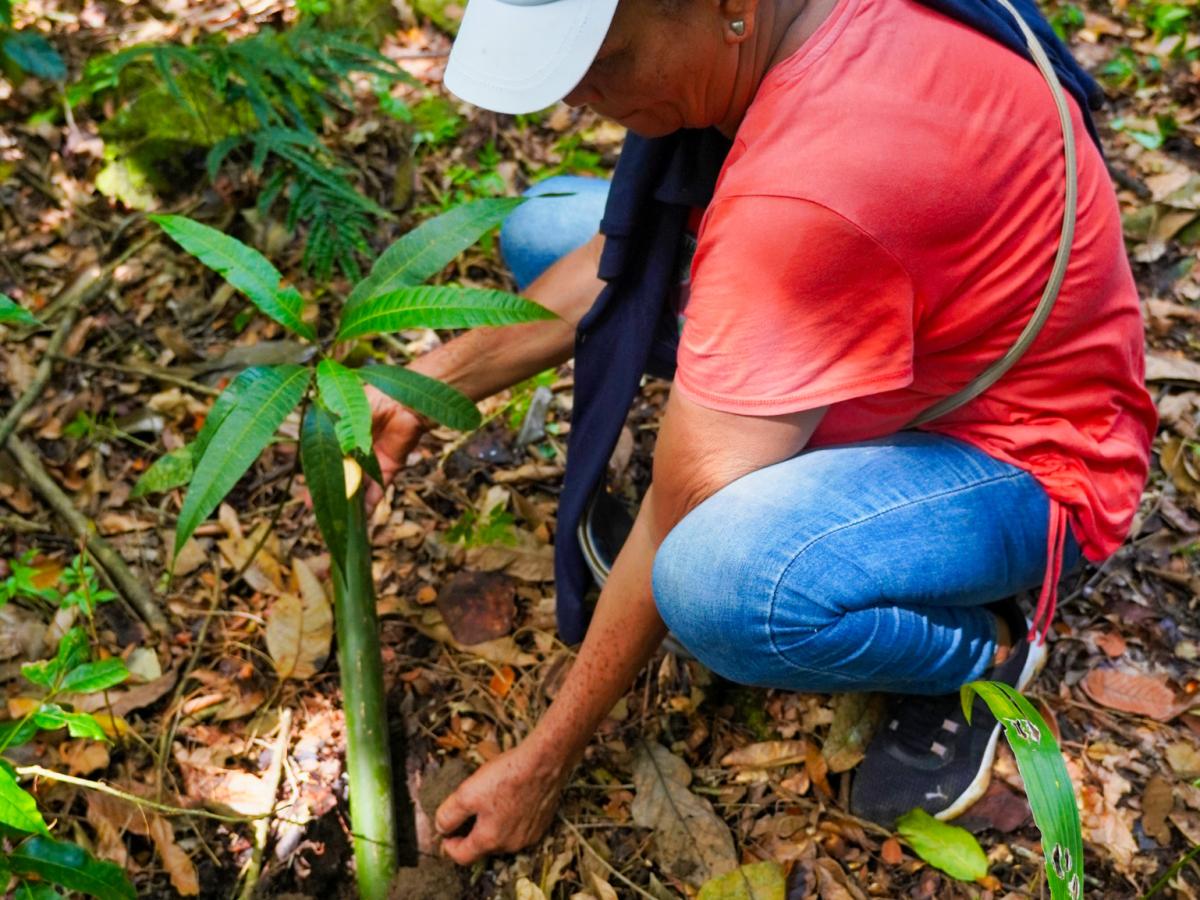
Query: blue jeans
(537, 234)
(862, 567)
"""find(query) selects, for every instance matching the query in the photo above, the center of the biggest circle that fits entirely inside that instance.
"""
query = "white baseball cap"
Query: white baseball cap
(519, 56)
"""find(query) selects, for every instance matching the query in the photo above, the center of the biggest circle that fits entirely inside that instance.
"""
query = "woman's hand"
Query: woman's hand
(507, 804)
(396, 432)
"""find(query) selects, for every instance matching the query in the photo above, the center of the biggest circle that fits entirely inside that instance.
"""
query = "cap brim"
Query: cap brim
(513, 58)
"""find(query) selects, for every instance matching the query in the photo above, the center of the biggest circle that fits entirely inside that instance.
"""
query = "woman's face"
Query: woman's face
(664, 65)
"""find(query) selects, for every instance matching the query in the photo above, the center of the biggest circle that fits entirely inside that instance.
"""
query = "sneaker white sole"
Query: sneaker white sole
(1034, 663)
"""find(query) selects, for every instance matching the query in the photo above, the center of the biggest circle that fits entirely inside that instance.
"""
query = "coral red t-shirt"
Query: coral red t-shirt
(882, 230)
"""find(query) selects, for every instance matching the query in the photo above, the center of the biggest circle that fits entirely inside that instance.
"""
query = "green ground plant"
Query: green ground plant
(32, 860)
(26, 50)
(335, 447)
(262, 99)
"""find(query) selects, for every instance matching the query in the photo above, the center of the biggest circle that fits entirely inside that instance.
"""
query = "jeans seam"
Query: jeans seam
(1008, 476)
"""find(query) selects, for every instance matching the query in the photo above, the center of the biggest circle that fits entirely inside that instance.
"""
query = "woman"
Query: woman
(874, 192)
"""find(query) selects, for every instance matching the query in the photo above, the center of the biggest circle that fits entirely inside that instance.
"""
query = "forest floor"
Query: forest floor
(472, 518)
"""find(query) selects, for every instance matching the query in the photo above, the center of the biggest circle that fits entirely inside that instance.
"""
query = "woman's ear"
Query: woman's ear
(738, 17)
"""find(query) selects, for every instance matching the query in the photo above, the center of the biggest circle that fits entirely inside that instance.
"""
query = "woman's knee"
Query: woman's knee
(538, 233)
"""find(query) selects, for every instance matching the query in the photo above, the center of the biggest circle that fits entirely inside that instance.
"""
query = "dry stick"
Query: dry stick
(130, 586)
(147, 371)
(262, 827)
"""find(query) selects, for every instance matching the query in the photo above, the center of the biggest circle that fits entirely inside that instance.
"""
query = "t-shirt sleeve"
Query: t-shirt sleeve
(791, 307)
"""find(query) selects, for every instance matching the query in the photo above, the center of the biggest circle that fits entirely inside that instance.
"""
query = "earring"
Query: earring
(738, 27)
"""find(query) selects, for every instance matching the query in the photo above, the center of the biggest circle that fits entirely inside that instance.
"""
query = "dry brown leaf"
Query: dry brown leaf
(478, 606)
(223, 790)
(83, 757)
(1184, 759)
(1171, 368)
(527, 890)
(300, 628)
(1158, 801)
(1132, 692)
(179, 867)
(111, 818)
(1108, 826)
(767, 754)
(126, 701)
(533, 563)
(690, 840)
(855, 718)
(891, 852)
(1112, 643)
(832, 882)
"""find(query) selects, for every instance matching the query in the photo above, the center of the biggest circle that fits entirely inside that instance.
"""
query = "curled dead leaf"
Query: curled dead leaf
(1132, 692)
(767, 754)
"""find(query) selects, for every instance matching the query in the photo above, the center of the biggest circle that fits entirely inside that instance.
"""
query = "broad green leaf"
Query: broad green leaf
(171, 470)
(243, 267)
(321, 457)
(35, 890)
(952, 849)
(34, 54)
(5, 12)
(84, 725)
(72, 867)
(11, 311)
(438, 307)
(176, 468)
(1047, 784)
(756, 881)
(95, 676)
(270, 393)
(14, 734)
(17, 808)
(341, 390)
(429, 247)
(427, 396)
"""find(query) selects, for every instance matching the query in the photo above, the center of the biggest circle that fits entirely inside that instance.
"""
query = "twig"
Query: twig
(163, 808)
(604, 862)
(129, 585)
(154, 372)
(262, 828)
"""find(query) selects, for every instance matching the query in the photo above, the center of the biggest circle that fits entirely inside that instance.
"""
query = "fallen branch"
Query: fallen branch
(129, 585)
(262, 827)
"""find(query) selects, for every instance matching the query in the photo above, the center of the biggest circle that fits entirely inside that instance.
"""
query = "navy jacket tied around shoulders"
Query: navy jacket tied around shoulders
(631, 329)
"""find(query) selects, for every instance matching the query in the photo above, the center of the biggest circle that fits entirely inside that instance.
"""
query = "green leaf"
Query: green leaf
(83, 725)
(756, 881)
(35, 890)
(11, 311)
(73, 649)
(341, 391)
(243, 267)
(33, 54)
(321, 457)
(952, 849)
(17, 808)
(438, 307)
(6, 12)
(171, 470)
(266, 397)
(1047, 784)
(95, 676)
(71, 867)
(14, 734)
(427, 396)
(429, 247)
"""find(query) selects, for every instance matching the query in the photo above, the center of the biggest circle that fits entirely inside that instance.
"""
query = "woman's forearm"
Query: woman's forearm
(624, 633)
(486, 360)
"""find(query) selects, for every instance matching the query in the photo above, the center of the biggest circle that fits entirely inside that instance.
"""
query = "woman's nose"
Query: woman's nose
(582, 94)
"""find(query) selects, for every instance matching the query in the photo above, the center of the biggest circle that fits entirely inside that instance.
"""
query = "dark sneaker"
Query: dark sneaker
(605, 525)
(926, 755)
